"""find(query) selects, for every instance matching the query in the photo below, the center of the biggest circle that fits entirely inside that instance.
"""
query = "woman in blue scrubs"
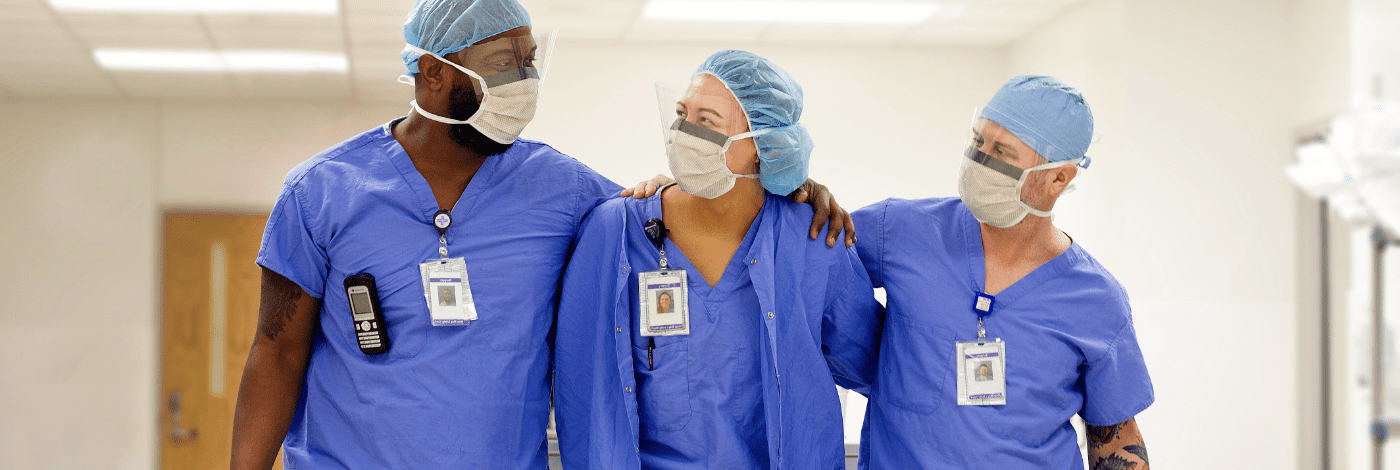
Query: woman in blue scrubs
(769, 321)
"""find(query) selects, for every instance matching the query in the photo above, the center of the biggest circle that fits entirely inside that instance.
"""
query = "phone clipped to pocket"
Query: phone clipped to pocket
(370, 330)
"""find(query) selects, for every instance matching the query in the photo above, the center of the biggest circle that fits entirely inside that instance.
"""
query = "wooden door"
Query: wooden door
(209, 314)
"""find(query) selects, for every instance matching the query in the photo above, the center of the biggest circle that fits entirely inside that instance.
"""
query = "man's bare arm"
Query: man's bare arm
(1116, 447)
(267, 397)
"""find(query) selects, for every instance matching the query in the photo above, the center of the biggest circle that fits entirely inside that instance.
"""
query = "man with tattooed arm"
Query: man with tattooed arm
(1000, 328)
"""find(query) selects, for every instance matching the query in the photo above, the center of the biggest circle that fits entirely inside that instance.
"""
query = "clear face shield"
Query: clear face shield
(991, 178)
(507, 73)
(700, 123)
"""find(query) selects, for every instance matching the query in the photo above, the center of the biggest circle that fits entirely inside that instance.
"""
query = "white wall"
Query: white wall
(1187, 205)
(83, 187)
(78, 339)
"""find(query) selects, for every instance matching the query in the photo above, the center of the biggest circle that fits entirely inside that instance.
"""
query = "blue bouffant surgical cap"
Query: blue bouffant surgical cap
(772, 99)
(1046, 114)
(447, 26)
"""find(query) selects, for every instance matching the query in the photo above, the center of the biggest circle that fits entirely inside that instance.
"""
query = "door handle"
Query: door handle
(178, 433)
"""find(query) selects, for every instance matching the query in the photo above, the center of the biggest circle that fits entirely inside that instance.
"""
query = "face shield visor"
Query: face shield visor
(990, 181)
(699, 124)
(508, 72)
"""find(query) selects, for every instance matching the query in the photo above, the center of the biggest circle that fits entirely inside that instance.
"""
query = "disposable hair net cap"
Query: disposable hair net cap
(447, 26)
(772, 100)
(1046, 114)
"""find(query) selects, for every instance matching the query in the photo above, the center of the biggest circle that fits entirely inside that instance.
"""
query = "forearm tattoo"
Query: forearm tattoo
(278, 304)
(1116, 447)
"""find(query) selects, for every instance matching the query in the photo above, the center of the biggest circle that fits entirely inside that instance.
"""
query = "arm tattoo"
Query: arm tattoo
(1100, 435)
(1113, 462)
(278, 304)
(1138, 450)
(1117, 447)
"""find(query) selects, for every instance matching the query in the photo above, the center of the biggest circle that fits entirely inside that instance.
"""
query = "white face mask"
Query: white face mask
(991, 188)
(507, 107)
(696, 155)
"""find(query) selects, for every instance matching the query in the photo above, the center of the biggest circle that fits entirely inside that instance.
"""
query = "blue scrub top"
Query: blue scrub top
(474, 396)
(724, 409)
(744, 381)
(1070, 347)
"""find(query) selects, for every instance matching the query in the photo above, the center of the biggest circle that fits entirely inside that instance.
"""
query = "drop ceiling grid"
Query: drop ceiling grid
(82, 78)
(35, 39)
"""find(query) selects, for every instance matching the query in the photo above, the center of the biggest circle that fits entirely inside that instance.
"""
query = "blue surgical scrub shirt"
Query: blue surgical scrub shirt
(754, 384)
(474, 396)
(1070, 347)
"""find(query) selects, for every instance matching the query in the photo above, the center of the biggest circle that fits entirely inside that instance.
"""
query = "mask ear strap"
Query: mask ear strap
(751, 134)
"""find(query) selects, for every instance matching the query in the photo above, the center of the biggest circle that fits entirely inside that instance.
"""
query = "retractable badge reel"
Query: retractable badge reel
(662, 293)
(445, 284)
(981, 364)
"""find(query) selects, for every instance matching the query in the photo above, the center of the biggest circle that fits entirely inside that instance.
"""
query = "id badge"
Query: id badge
(664, 303)
(981, 371)
(448, 292)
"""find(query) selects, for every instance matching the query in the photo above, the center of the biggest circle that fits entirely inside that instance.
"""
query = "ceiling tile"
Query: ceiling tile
(131, 21)
(293, 87)
(833, 34)
(20, 13)
(40, 59)
(165, 86)
(25, 39)
(395, 7)
(599, 19)
(682, 31)
(79, 81)
(962, 35)
(308, 33)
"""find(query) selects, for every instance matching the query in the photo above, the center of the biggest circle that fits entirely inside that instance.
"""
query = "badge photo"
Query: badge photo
(981, 373)
(662, 295)
(447, 291)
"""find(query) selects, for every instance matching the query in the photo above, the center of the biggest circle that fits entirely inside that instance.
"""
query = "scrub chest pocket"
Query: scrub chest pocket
(918, 377)
(663, 392)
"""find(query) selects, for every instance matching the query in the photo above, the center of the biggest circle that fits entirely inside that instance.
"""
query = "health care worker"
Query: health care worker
(987, 281)
(765, 321)
(463, 384)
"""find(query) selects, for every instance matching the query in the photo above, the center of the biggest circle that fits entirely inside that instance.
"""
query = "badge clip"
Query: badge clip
(656, 232)
(983, 304)
(442, 220)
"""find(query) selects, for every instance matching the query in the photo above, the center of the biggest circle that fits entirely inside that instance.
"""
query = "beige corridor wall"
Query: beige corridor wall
(77, 324)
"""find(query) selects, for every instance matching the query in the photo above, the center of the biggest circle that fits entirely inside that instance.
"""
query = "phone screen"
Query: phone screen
(359, 304)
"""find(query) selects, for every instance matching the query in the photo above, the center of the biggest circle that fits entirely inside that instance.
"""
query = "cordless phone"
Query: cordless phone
(370, 331)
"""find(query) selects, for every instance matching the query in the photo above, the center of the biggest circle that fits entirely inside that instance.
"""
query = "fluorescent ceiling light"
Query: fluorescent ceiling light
(167, 60)
(295, 7)
(800, 12)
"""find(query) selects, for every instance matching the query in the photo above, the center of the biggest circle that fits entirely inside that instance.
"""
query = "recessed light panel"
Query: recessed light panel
(291, 7)
(174, 60)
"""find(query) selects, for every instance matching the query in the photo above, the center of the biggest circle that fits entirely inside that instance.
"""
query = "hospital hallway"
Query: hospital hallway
(1244, 191)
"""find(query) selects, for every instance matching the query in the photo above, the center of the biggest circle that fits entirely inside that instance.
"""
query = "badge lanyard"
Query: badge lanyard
(663, 296)
(981, 364)
(445, 284)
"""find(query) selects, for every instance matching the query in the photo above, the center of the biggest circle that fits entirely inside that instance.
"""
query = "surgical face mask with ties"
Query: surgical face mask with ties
(697, 159)
(991, 188)
(509, 95)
